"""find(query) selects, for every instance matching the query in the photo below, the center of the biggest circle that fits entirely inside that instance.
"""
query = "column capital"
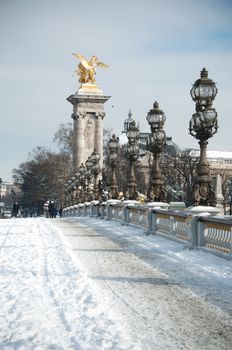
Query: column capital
(100, 115)
(78, 115)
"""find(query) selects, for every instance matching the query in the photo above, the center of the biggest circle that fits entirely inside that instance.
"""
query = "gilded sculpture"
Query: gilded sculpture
(86, 69)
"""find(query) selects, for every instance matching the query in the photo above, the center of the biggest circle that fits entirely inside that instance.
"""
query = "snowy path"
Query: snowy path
(94, 284)
(46, 300)
(167, 298)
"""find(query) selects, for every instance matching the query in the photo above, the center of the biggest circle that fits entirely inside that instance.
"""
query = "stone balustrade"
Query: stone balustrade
(195, 231)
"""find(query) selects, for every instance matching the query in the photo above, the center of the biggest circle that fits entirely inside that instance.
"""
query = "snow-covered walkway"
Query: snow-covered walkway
(86, 283)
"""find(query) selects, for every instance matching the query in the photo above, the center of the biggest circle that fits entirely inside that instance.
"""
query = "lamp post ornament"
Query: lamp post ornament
(202, 126)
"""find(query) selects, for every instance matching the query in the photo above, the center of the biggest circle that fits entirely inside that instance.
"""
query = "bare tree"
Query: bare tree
(179, 173)
(42, 177)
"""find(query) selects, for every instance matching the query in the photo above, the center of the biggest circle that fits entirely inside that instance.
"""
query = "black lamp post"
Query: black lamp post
(132, 154)
(81, 170)
(69, 191)
(202, 126)
(88, 176)
(156, 143)
(95, 159)
(77, 183)
(66, 194)
(73, 190)
(113, 159)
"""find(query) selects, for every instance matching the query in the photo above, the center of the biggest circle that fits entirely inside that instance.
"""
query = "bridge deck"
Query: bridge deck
(162, 293)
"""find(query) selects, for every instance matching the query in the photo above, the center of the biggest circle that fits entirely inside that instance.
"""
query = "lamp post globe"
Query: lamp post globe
(204, 90)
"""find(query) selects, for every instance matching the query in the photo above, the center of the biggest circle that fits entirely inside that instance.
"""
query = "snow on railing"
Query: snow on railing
(212, 234)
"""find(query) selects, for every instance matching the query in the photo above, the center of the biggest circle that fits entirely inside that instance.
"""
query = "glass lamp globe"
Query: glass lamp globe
(88, 163)
(211, 116)
(160, 136)
(133, 132)
(156, 117)
(113, 142)
(204, 89)
(81, 169)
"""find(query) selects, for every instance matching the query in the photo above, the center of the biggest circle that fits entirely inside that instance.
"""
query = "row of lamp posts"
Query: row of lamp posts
(83, 185)
(202, 126)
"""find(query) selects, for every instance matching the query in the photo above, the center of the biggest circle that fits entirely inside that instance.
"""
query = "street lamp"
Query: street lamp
(88, 176)
(81, 170)
(73, 190)
(202, 126)
(113, 159)
(69, 191)
(156, 142)
(66, 194)
(95, 159)
(132, 154)
(77, 182)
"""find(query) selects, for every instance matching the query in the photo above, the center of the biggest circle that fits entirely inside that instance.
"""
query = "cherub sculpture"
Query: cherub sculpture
(86, 69)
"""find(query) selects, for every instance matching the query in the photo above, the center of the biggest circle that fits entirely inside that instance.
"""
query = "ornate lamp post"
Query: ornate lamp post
(88, 176)
(156, 143)
(77, 181)
(113, 147)
(132, 154)
(69, 192)
(82, 182)
(73, 188)
(66, 194)
(95, 159)
(202, 126)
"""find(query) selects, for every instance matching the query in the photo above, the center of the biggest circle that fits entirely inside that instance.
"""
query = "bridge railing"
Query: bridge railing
(212, 234)
(215, 234)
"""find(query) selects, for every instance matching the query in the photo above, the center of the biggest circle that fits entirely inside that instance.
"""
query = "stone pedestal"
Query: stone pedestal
(88, 113)
(218, 194)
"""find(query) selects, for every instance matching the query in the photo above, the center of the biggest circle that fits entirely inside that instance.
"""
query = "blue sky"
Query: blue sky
(155, 50)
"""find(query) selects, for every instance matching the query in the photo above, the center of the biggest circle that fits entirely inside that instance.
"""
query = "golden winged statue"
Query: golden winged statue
(86, 69)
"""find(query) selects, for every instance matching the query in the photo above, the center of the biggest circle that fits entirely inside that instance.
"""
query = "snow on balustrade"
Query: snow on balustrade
(210, 233)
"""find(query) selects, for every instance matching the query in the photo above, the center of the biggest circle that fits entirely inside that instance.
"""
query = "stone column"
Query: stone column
(78, 140)
(88, 114)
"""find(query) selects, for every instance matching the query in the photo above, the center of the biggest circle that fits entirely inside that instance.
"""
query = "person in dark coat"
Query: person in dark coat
(60, 211)
(51, 209)
(15, 209)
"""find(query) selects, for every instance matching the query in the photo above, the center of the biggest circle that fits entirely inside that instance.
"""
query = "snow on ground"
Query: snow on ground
(87, 283)
(46, 300)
